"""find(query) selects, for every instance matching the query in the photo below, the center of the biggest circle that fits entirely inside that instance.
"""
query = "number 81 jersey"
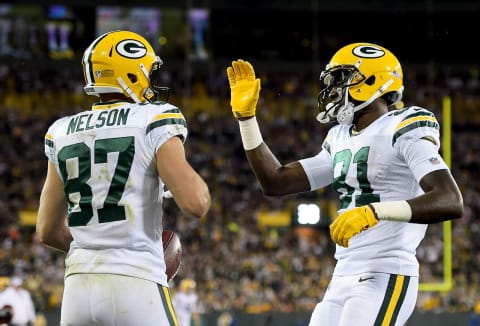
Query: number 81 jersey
(376, 165)
(106, 159)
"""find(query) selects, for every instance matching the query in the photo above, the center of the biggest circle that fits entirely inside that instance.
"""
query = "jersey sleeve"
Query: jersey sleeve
(49, 143)
(165, 125)
(422, 157)
(319, 167)
(416, 123)
(416, 139)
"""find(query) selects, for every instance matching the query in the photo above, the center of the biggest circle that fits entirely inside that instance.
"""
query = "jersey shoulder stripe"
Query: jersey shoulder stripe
(326, 146)
(50, 135)
(168, 117)
(172, 113)
(416, 118)
(49, 140)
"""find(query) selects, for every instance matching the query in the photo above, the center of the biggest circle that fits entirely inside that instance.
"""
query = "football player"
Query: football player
(185, 303)
(107, 169)
(385, 166)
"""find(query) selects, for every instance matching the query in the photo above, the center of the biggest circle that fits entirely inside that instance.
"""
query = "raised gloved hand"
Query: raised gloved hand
(244, 89)
(352, 222)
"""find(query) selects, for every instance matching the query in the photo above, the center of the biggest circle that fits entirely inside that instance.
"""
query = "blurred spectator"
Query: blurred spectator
(226, 319)
(21, 302)
(185, 303)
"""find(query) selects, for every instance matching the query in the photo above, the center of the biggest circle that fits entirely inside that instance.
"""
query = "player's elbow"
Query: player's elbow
(198, 205)
(450, 205)
(455, 207)
(43, 236)
(274, 188)
(40, 231)
(271, 191)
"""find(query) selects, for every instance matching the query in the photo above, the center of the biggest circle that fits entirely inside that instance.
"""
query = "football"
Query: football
(172, 251)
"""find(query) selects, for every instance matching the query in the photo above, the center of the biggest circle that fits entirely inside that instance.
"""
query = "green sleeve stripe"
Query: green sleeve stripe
(417, 114)
(164, 122)
(326, 146)
(414, 125)
(48, 142)
(172, 111)
(398, 111)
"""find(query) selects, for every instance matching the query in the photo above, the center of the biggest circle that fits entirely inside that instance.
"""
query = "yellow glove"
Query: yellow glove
(352, 222)
(244, 89)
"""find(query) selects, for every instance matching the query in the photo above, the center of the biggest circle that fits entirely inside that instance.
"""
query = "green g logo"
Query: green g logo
(368, 51)
(131, 49)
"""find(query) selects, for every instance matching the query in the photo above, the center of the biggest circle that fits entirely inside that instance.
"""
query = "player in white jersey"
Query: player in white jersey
(388, 173)
(102, 198)
(185, 303)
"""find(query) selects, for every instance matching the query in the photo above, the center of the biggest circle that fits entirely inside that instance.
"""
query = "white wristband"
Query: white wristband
(250, 132)
(399, 211)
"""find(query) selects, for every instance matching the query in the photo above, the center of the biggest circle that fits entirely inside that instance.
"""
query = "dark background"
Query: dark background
(437, 31)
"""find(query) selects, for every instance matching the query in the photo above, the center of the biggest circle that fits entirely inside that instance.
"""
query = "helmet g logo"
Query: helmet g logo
(131, 49)
(368, 51)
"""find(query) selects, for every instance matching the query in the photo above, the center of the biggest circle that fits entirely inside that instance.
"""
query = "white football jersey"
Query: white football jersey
(185, 305)
(106, 158)
(375, 165)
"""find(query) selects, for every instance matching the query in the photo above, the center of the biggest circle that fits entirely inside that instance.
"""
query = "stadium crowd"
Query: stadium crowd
(237, 263)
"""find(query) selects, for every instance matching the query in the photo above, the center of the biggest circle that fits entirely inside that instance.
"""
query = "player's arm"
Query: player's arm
(188, 188)
(51, 226)
(442, 200)
(274, 177)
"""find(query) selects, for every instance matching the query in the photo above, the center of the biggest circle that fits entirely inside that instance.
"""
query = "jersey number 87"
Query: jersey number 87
(77, 190)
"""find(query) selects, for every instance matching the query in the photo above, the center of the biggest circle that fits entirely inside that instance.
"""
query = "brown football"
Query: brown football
(172, 251)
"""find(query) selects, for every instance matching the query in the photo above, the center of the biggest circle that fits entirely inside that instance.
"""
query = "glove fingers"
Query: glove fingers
(237, 68)
(248, 71)
(335, 229)
(231, 76)
(342, 238)
(340, 230)
(245, 70)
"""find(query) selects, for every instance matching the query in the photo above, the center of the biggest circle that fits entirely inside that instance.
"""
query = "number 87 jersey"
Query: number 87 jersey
(106, 159)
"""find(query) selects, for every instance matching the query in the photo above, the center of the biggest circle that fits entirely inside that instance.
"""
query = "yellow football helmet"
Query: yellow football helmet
(187, 284)
(121, 62)
(356, 75)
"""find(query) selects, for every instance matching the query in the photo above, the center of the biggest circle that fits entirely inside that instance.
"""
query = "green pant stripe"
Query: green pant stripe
(167, 305)
(401, 298)
(383, 315)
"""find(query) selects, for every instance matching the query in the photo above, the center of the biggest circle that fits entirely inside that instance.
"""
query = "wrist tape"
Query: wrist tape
(399, 211)
(250, 132)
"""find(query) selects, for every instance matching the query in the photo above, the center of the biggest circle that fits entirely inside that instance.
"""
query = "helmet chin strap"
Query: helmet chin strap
(347, 111)
(323, 117)
(148, 92)
(128, 90)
